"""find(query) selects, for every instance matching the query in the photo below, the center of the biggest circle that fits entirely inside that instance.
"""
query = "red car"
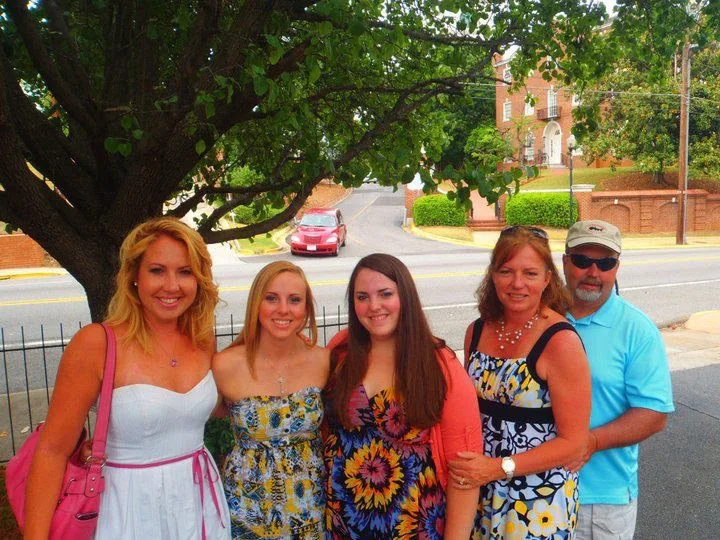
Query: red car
(320, 230)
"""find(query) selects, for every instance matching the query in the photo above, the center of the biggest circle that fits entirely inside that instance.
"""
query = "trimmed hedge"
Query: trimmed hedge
(546, 209)
(438, 210)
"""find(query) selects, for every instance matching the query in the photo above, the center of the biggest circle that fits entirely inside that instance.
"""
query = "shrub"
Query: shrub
(438, 210)
(545, 209)
(248, 215)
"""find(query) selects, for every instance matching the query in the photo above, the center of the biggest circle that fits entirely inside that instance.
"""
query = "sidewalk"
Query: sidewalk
(487, 239)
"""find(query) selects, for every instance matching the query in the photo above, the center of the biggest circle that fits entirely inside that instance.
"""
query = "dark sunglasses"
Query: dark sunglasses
(537, 231)
(583, 262)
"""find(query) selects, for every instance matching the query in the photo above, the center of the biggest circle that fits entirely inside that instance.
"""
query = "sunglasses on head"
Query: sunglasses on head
(583, 262)
(537, 231)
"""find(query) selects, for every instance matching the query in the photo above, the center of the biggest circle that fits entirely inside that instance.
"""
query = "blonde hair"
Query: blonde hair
(125, 306)
(250, 334)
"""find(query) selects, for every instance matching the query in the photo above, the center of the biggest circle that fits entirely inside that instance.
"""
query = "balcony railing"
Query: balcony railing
(549, 113)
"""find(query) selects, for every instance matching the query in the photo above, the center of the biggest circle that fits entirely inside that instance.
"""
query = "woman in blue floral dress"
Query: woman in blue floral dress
(533, 384)
(271, 379)
(392, 416)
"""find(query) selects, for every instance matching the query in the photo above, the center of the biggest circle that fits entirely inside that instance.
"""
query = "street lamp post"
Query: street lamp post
(571, 146)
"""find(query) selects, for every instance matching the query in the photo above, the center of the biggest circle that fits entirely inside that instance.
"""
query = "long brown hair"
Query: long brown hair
(555, 296)
(419, 380)
(250, 334)
(125, 306)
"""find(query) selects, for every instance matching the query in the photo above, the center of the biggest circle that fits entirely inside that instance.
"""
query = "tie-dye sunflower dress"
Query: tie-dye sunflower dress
(517, 416)
(382, 479)
(274, 477)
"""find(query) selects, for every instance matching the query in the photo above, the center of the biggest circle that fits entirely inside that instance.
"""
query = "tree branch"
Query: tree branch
(60, 89)
(51, 152)
(213, 237)
(66, 50)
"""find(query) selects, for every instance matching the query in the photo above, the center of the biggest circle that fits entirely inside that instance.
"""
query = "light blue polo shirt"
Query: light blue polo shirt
(629, 368)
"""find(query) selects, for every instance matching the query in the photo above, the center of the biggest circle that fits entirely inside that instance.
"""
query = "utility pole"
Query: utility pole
(680, 236)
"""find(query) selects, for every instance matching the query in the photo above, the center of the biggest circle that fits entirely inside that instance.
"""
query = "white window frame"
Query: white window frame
(529, 108)
(575, 100)
(552, 97)
(507, 110)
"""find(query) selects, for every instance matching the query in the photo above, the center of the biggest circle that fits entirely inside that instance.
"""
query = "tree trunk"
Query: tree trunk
(658, 177)
(99, 289)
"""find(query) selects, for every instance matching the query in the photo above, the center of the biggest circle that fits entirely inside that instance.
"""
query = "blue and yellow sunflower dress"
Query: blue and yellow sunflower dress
(517, 416)
(274, 477)
(382, 480)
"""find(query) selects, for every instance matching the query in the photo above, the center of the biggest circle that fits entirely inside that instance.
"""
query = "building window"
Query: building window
(507, 110)
(529, 106)
(552, 103)
(575, 100)
(507, 76)
(529, 147)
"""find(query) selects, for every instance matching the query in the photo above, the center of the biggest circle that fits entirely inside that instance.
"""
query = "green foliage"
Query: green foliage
(254, 213)
(219, 437)
(706, 159)
(487, 147)
(543, 209)
(438, 210)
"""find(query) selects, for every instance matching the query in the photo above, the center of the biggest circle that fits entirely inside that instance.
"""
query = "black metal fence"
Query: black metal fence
(30, 358)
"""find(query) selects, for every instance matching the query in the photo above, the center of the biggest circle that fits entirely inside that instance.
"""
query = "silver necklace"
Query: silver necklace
(173, 360)
(513, 336)
(280, 379)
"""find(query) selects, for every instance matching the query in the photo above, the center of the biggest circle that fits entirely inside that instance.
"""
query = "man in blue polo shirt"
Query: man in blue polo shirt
(631, 391)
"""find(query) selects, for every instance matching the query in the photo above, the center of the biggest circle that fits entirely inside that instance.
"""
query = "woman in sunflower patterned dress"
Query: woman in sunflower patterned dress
(271, 379)
(533, 384)
(392, 410)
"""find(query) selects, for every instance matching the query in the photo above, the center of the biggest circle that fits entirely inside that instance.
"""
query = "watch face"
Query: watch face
(508, 465)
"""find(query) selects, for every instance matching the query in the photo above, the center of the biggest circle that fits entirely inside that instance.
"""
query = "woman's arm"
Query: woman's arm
(77, 387)
(568, 378)
(461, 431)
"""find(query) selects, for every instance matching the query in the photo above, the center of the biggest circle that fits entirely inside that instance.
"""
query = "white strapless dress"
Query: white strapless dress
(149, 424)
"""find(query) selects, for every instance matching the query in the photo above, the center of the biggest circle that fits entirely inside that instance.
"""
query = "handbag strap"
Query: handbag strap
(103, 414)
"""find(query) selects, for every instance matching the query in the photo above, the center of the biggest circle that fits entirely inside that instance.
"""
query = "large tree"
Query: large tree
(109, 107)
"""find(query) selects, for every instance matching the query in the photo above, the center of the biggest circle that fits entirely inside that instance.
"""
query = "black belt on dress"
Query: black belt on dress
(512, 413)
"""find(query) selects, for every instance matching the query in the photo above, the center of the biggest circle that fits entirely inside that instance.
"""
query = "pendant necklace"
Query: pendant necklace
(280, 379)
(173, 360)
(513, 336)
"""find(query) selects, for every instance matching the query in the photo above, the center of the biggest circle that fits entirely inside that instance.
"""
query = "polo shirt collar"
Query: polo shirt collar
(605, 316)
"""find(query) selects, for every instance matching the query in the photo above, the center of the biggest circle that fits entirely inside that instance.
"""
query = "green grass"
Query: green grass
(580, 176)
(260, 244)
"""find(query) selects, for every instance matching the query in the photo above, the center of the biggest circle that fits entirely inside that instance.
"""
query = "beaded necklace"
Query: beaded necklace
(513, 336)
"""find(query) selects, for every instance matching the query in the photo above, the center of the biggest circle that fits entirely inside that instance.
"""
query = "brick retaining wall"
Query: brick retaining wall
(20, 251)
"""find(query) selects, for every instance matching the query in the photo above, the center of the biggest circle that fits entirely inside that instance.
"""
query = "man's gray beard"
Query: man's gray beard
(587, 296)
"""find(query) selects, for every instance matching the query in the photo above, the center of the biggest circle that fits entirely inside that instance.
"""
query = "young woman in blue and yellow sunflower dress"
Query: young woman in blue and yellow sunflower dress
(391, 408)
(271, 380)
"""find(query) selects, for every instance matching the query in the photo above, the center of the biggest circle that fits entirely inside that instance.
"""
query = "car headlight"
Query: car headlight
(295, 238)
(332, 239)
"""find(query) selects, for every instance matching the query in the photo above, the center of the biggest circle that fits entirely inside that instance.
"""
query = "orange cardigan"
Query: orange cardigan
(459, 427)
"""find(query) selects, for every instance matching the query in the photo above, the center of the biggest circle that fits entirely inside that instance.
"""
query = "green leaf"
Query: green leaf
(111, 144)
(126, 122)
(200, 147)
(125, 149)
(137, 134)
(260, 85)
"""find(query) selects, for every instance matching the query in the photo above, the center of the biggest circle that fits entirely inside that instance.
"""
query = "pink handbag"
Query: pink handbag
(76, 514)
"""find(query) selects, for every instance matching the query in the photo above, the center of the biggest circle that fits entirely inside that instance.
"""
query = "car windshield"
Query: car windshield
(318, 220)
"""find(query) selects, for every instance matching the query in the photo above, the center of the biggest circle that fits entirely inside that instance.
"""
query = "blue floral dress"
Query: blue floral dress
(274, 477)
(382, 482)
(517, 416)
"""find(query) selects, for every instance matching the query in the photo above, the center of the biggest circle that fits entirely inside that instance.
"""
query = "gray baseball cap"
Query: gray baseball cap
(594, 231)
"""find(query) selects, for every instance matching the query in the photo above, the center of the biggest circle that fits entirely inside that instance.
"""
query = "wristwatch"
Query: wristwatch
(508, 467)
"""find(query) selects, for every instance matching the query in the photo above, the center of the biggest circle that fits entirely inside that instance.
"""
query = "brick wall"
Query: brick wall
(651, 211)
(20, 251)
